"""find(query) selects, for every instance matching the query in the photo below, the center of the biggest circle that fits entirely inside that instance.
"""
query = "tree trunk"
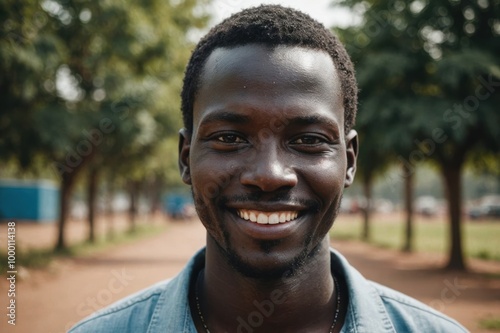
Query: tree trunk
(155, 193)
(408, 193)
(91, 202)
(367, 190)
(67, 181)
(132, 211)
(452, 178)
(110, 210)
(68, 178)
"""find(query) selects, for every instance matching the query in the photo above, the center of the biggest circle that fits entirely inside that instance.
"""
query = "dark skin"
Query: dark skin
(268, 139)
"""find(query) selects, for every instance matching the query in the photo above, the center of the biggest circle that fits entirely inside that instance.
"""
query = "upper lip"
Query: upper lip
(266, 206)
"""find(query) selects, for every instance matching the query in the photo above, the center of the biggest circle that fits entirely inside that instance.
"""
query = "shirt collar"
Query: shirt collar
(172, 312)
(365, 310)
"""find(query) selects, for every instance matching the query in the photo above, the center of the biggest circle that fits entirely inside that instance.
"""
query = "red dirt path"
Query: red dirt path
(50, 301)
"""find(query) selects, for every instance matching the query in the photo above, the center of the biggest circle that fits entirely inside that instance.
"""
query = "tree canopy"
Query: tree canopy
(92, 83)
(429, 77)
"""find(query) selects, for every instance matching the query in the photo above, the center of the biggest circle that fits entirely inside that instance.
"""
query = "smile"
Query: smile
(267, 217)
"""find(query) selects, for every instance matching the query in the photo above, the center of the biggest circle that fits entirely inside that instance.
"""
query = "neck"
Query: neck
(232, 302)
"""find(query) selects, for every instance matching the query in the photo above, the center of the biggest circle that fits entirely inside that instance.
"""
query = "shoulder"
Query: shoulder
(373, 307)
(163, 307)
(410, 315)
(131, 314)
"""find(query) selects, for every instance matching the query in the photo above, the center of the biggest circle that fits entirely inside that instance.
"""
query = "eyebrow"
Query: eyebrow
(231, 117)
(313, 120)
(225, 116)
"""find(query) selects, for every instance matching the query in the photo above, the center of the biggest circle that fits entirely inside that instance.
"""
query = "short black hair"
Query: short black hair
(270, 25)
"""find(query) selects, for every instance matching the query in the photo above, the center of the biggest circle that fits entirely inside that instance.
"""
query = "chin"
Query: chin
(269, 263)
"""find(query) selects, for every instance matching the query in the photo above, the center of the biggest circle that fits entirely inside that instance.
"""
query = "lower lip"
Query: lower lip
(267, 231)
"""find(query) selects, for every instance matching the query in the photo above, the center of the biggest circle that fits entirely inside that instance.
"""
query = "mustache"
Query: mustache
(281, 198)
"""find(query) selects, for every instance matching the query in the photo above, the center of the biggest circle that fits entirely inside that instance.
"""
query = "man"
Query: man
(268, 102)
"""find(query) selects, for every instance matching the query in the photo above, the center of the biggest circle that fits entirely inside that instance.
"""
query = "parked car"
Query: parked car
(485, 211)
(426, 205)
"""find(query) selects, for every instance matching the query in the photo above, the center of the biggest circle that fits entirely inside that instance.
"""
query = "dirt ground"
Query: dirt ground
(52, 300)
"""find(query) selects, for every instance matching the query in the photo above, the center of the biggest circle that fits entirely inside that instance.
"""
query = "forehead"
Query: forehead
(262, 77)
(292, 65)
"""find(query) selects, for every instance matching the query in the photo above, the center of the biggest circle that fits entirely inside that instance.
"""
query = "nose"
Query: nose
(269, 171)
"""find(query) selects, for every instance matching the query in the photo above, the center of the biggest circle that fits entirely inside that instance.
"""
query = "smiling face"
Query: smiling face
(268, 158)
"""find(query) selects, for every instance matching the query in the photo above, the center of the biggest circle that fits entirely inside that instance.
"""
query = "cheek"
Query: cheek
(210, 176)
(326, 178)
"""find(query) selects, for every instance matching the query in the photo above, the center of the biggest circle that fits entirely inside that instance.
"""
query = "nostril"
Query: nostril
(269, 182)
(270, 170)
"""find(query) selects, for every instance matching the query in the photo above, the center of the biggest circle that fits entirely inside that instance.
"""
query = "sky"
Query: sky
(318, 9)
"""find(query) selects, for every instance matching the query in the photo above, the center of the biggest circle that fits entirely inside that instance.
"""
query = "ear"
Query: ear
(184, 148)
(351, 142)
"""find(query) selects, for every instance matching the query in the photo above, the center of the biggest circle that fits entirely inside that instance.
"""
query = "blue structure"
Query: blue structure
(36, 200)
(174, 204)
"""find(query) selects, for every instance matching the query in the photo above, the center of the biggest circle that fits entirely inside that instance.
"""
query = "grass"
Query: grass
(430, 235)
(490, 323)
(41, 258)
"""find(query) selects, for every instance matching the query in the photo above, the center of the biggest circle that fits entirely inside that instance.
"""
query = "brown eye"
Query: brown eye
(230, 138)
(308, 140)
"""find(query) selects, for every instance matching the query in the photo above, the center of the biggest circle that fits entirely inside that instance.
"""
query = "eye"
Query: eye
(230, 138)
(311, 144)
(308, 140)
(227, 142)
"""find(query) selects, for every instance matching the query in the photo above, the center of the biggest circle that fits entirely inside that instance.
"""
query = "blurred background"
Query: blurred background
(90, 113)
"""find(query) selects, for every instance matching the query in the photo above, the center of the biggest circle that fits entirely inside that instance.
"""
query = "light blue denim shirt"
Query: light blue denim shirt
(164, 308)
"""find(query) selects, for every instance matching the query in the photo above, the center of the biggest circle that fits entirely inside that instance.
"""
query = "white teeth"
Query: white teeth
(253, 217)
(267, 217)
(282, 217)
(274, 219)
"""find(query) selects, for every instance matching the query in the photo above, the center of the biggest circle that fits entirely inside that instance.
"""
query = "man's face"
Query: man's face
(268, 158)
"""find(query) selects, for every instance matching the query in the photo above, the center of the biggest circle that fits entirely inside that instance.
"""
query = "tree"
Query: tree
(449, 49)
(371, 163)
(83, 76)
(382, 120)
(30, 54)
(91, 201)
(149, 113)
